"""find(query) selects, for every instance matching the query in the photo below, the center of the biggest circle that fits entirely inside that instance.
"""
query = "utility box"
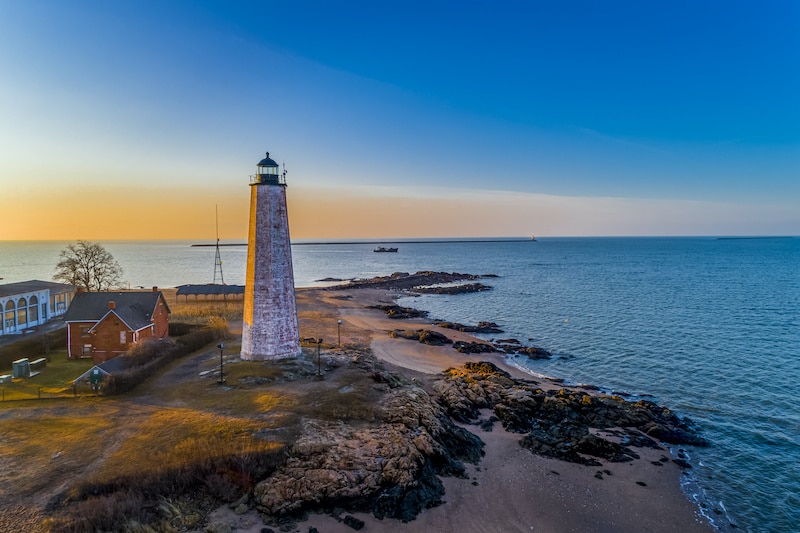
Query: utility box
(22, 368)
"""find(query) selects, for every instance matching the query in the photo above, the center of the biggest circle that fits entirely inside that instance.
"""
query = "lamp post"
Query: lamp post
(221, 374)
(339, 332)
(319, 368)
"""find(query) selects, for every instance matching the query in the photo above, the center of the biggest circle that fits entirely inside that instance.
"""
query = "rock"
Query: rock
(482, 327)
(241, 509)
(534, 352)
(682, 463)
(425, 336)
(242, 500)
(453, 289)
(396, 311)
(405, 281)
(433, 338)
(218, 527)
(474, 347)
(557, 423)
(390, 469)
(353, 522)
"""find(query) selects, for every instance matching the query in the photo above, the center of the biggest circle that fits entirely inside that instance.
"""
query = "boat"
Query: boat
(533, 237)
(382, 249)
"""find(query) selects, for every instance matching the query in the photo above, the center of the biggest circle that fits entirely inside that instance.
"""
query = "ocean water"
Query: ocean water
(709, 327)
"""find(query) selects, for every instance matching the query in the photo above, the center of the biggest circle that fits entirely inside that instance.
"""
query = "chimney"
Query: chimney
(155, 289)
(112, 305)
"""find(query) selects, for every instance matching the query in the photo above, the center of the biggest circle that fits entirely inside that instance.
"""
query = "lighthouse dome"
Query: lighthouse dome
(267, 162)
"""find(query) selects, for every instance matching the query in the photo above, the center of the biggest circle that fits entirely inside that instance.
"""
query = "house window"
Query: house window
(58, 303)
(22, 313)
(9, 316)
(33, 309)
(135, 337)
(122, 337)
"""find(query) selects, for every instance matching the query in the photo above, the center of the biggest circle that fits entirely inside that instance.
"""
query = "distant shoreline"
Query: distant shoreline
(514, 239)
(450, 241)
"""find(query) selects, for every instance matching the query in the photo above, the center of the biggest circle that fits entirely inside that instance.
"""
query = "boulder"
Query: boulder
(390, 469)
(474, 347)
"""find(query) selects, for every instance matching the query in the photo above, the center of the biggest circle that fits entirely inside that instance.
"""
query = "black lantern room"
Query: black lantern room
(267, 172)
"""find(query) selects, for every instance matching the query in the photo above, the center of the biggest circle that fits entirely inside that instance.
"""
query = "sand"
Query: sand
(511, 489)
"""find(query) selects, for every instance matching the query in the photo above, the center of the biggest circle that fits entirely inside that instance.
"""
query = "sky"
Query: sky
(140, 119)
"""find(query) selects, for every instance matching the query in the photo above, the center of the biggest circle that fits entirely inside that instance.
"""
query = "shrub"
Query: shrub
(178, 329)
(147, 357)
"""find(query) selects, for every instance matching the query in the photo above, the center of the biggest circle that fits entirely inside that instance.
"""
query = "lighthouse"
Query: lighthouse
(270, 328)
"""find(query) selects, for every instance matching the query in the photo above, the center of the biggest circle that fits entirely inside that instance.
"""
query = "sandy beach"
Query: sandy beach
(512, 489)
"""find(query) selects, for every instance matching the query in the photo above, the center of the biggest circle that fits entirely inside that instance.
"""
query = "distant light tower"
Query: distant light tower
(270, 329)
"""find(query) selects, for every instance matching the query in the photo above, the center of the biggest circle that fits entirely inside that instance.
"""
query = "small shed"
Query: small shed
(98, 373)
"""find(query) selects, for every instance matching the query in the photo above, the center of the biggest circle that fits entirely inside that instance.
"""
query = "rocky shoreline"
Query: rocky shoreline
(425, 429)
(391, 467)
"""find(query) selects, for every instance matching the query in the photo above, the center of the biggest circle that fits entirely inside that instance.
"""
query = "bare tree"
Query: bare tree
(88, 265)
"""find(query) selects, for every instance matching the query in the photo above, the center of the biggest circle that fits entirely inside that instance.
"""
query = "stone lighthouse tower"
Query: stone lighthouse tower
(270, 328)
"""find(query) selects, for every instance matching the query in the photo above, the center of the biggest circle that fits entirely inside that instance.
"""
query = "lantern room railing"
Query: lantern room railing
(268, 179)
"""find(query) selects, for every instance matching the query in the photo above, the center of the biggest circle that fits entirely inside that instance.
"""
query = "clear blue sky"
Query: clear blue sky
(621, 117)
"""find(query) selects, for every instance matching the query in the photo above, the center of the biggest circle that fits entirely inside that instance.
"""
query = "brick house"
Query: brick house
(103, 325)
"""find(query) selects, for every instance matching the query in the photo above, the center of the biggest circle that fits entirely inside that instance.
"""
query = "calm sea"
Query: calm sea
(709, 327)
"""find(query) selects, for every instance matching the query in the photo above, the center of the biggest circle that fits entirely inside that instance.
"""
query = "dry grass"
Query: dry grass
(347, 401)
(201, 311)
(39, 450)
(173, 439)
(168, 456)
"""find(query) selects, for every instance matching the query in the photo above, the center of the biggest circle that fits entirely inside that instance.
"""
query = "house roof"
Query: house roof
(117, 364)
(133, 308)
(22, 287)
(210, 289)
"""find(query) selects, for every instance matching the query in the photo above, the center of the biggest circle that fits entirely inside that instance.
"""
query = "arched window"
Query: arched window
(22, 312)
(9, 317)
(33, 309)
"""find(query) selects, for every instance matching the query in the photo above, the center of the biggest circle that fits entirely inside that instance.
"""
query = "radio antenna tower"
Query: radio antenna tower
(217, 257)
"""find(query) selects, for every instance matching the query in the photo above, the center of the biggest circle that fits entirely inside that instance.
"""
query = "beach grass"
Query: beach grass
(196, 311)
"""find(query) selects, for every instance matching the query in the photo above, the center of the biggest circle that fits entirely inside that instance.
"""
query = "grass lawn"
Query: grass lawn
(53, 380)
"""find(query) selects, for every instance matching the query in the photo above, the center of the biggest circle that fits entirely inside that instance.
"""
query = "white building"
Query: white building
(26, 304)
